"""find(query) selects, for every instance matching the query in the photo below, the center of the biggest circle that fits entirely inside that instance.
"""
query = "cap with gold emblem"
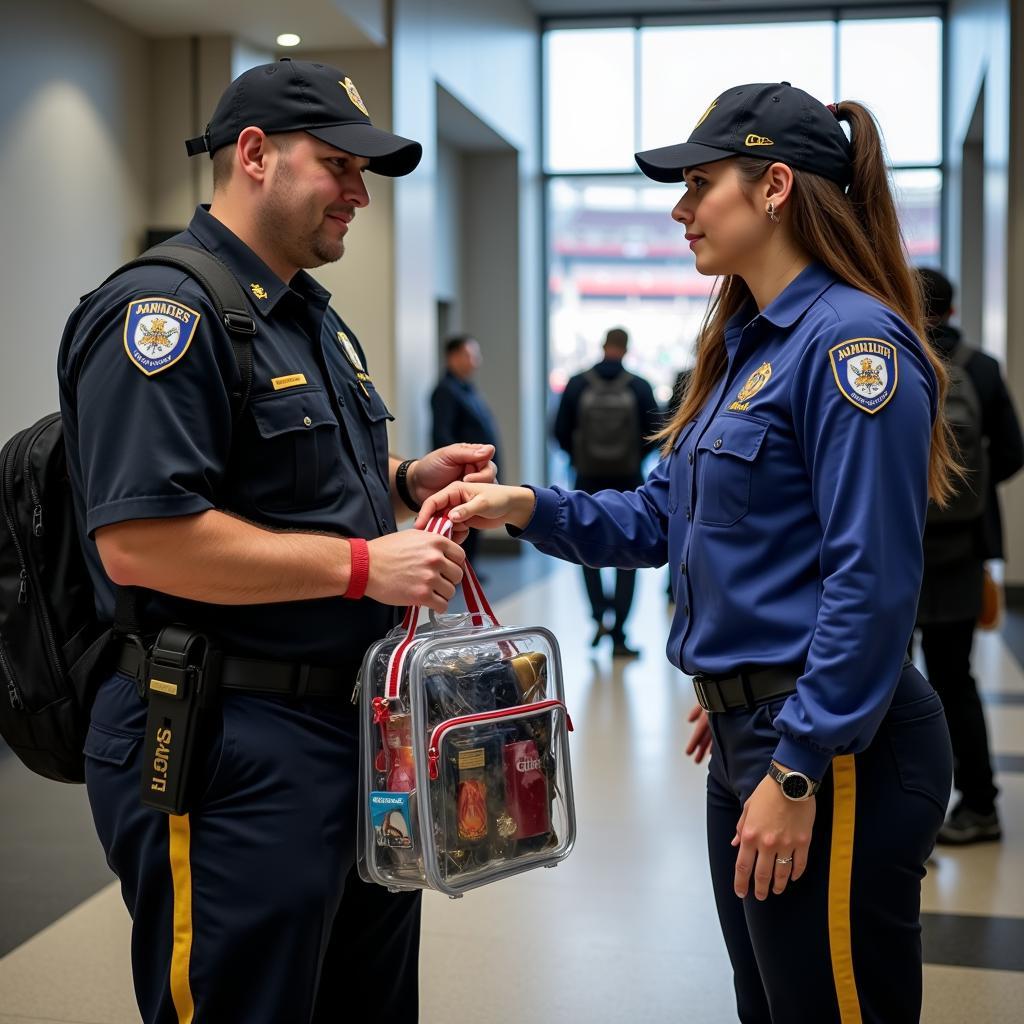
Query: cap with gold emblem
(297, 95)
(775, 121)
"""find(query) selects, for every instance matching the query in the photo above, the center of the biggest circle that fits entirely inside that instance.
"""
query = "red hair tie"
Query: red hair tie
(834, 107)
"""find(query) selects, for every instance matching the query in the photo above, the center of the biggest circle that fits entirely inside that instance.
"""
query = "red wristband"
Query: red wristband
(359, 574)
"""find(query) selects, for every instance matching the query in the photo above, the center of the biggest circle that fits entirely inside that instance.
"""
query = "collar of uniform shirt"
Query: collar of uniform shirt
(789, 305)
(256, 278)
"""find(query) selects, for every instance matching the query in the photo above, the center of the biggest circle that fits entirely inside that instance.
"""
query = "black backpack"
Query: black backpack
(53, 650)
(964, 413)
(606, 442)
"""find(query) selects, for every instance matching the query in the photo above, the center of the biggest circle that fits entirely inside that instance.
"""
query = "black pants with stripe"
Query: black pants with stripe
(248, 910)
(842, 944)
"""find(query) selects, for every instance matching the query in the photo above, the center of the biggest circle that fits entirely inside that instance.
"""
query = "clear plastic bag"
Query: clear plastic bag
(465, 773)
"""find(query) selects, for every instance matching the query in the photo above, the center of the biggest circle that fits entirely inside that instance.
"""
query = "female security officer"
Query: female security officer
(791, 502)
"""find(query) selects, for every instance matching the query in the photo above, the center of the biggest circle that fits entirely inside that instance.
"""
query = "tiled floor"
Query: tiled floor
(625, 930)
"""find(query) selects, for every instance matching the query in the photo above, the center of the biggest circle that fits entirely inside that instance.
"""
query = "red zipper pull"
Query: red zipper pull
(432, 758)
(380, 711)
(568, 722)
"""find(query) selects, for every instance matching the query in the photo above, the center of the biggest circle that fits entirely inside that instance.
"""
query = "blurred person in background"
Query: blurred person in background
(605, 424)
(958, 540)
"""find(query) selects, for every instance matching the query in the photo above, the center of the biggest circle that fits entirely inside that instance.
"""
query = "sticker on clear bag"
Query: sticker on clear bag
(391, 820)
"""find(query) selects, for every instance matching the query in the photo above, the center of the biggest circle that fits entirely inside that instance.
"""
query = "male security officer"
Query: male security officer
(253, 534)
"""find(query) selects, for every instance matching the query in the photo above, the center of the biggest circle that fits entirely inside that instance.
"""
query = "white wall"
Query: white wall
(979, 34)
(487, 56)
(75, 154)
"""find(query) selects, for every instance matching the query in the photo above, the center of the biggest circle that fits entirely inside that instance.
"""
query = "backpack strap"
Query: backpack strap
(233, 311)
(223, 290)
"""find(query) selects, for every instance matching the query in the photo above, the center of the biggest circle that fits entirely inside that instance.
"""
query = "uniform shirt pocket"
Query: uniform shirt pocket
(377, 416)
(298, 451)
(727, 453)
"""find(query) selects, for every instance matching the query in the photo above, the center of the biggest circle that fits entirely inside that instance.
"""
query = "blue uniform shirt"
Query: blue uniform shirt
(146, 373)
(791, 511)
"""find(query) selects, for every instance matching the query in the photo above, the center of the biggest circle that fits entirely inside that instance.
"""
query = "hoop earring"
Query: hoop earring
(772, 215)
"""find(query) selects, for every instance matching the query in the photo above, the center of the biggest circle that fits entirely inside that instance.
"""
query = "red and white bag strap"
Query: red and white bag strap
(476, 601)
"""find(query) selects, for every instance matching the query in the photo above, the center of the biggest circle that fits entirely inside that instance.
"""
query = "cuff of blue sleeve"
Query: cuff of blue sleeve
(545, 515)
(798, 757)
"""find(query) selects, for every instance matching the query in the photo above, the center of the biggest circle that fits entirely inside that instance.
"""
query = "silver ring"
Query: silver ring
(783, 860)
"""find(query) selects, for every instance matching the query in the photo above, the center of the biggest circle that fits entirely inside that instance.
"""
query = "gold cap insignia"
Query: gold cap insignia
(757, 140)
(258, 290)
(705, 115)
(353, 94)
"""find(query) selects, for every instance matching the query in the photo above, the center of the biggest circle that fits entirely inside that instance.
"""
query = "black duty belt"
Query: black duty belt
(716, 694)
(253, 675)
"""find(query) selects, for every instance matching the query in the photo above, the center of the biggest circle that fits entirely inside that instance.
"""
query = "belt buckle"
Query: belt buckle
(702, 697)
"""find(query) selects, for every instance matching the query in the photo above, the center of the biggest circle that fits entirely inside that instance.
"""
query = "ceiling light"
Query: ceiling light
(288, 39)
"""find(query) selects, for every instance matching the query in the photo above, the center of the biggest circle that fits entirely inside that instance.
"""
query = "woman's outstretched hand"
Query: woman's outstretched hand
(479, 506)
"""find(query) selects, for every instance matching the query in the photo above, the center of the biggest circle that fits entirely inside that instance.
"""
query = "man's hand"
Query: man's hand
(434, 472)
(414, 568)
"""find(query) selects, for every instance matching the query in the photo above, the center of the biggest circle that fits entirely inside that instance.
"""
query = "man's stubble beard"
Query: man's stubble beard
(276, 219)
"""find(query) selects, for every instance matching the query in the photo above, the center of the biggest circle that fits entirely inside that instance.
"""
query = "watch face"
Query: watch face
(795, 786)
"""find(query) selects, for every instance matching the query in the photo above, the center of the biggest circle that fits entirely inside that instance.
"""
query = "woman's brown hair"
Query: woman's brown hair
(856, 235)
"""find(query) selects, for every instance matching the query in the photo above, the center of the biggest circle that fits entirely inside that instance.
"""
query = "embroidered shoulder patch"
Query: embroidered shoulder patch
(158, 332)
(866, 372)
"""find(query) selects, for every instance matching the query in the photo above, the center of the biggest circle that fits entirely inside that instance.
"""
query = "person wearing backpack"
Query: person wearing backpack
(237, 512)
(604, 423)
(958, 540)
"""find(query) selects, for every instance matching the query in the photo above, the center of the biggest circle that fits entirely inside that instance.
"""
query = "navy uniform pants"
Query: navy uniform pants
(249, 909)
(843, 943)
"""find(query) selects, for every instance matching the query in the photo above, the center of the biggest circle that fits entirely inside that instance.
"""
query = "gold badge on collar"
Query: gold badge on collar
(353, 94)
(755, 382)
(258, 290)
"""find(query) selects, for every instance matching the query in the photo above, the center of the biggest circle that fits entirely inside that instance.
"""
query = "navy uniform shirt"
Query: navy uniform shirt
(461, 414)
(791, 512)
(146, 373)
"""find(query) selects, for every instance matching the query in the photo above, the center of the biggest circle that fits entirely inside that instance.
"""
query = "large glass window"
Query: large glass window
(615, 257)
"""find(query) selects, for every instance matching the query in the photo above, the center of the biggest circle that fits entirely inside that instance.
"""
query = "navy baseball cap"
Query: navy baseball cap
(296, 95)
(775, 121)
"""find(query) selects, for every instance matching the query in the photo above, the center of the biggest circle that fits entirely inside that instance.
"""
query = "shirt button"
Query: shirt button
(686, 611)
(341, 400)
(308, 422)
(688, 516)
(682, 568)
(362, 466)
(689, 458)
(718, 443)
(384, 526)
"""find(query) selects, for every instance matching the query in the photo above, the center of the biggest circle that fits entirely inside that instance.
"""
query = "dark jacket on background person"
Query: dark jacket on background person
(648, 413)
(461, 414)
(955, 553)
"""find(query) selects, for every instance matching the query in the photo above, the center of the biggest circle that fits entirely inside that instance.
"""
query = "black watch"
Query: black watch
(402, 486)
(794, 785)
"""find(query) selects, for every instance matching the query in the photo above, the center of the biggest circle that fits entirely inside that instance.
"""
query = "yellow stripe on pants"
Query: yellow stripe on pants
(181, 952)
(844, 815)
